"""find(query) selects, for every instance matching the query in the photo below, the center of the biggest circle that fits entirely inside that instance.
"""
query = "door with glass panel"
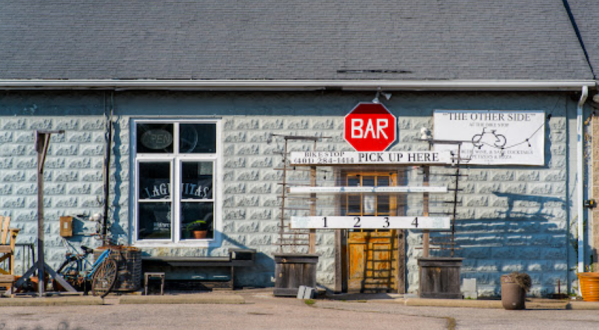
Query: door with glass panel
(373, 261)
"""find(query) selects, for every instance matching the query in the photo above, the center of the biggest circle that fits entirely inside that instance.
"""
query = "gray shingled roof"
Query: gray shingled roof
(289, 39)
(587, 22)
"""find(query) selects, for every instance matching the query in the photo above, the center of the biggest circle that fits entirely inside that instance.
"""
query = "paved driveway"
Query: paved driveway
(262, 311)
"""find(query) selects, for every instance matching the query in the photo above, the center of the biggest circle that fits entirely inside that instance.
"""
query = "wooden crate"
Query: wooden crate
(293, 270)
(440, 277)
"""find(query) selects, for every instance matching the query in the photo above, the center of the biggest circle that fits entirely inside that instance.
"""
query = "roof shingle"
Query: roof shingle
(289, 39)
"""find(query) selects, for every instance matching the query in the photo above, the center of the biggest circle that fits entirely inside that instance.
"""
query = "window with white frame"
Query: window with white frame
(175, 172)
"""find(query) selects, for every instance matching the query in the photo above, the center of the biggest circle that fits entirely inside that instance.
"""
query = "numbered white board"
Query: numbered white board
(370, 222)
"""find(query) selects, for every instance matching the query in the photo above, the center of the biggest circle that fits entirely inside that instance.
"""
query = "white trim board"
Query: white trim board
(337, 190)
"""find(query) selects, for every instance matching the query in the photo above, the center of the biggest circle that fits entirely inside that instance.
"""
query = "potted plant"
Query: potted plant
(198, 229)
(513, 290)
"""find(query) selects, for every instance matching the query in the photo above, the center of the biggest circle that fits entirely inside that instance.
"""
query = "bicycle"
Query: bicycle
(102, 273)
(493, 138)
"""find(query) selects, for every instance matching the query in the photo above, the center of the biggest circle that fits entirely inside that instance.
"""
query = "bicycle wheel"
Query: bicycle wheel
(104, 278)
(70, 272)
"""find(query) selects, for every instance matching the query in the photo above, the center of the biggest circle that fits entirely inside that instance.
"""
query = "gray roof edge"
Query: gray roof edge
(297, 85)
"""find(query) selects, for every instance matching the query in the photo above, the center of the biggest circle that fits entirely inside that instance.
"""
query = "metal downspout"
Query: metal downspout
(580, 178)
(108, 137)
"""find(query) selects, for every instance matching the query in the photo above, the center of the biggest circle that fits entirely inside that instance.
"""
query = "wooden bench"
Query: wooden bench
(236, 258)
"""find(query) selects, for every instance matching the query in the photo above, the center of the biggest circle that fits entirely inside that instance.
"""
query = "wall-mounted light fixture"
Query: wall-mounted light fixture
(379, 92)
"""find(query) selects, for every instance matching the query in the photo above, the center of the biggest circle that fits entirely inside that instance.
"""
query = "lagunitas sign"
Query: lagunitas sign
(370, 127)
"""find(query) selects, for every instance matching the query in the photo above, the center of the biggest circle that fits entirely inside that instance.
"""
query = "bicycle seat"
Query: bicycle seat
(86, 249)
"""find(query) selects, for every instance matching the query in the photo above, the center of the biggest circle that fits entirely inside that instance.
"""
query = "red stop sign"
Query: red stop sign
(370, 127)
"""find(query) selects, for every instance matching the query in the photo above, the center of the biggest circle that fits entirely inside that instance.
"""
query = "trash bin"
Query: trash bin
(513, 296)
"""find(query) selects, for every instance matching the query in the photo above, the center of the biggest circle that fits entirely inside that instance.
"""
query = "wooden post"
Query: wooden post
(42, 141)
(312, 238)
(425, 233)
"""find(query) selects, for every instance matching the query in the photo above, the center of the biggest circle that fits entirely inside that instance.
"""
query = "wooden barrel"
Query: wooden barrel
(293, 270)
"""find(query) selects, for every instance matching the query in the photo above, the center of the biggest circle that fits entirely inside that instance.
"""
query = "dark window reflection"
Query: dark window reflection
(197, 138)
(382, 181)
(154, 138)
(197, 180)
(197, 217)
(154, 180)
(154, 220)
(353, 181)
(354, 204)
(383, 201)
(383, 206)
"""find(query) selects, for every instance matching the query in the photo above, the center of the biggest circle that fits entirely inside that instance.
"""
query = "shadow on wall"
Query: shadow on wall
(524, 237)
(119, 234)
(259, 275)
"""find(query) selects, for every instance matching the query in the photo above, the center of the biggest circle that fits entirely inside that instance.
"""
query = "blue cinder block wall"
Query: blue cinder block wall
(511, 217)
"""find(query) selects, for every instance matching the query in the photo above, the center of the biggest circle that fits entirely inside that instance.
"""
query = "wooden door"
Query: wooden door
(374, 262)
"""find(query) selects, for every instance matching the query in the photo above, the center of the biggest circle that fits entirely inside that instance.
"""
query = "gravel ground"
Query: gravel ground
(263, 311)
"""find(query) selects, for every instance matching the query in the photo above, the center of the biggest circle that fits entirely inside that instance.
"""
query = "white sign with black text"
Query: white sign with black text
(358, 158)
(493, 137)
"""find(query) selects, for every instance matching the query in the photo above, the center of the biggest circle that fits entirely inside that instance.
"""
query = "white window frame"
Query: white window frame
(176, 160)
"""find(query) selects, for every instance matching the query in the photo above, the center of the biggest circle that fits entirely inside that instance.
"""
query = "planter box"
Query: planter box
(440, 278)
(293, 270)
(589, 286)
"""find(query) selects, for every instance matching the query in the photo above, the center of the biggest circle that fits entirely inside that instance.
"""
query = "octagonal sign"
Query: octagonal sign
(370, 127)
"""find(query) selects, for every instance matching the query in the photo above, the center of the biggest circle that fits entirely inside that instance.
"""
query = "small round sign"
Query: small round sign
(156, 139)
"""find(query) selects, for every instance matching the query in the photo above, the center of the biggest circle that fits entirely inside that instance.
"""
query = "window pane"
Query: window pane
(154, 138)
(383, 204)
(368, 181)
(353, 204)
(382, 207)
(197, 138)
(196, 180)
(197, 217)
(353, 181)
(154, 220)
(369, 204)
(382, 181)
(154, 180)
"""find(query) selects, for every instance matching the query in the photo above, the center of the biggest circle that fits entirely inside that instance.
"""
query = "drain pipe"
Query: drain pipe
(580, 178)
(108, 136)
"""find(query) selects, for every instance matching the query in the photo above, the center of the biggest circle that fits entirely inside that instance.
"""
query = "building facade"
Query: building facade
(509, 218)
(173, 119)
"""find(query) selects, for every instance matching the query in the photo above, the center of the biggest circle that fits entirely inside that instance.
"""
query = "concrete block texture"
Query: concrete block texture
(510, 217)
(67, 185)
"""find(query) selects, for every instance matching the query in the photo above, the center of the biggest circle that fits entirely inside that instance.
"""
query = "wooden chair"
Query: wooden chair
(8, 239)
(8, 282)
